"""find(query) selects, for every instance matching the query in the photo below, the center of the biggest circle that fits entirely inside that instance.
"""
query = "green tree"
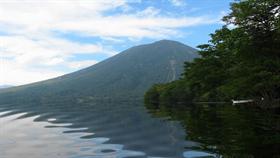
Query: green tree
(242, 59)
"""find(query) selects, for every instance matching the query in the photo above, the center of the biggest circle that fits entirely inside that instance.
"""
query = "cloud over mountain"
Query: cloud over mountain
(36, 36)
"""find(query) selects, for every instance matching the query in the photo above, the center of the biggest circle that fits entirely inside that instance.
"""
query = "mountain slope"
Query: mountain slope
(5, 86)
(127, 74)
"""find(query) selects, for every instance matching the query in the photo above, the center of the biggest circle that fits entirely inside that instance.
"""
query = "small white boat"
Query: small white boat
(242, 101)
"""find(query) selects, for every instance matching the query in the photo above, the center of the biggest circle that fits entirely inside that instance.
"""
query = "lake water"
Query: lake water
(88, 129)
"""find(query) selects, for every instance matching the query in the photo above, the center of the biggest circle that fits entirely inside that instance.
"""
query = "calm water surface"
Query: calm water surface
(87, 129)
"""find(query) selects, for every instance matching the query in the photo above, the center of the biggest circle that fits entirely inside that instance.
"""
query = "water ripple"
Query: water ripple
(94, 130)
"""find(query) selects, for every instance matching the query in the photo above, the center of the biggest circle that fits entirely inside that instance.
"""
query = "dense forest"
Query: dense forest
(241, 61)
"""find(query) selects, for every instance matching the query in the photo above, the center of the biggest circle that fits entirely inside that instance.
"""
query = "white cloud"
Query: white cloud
(44, 51)
(31, 51)
(25, 60)
(86, 17)
(178, 2)
(149, 11)
(13, 74)
(81, 64)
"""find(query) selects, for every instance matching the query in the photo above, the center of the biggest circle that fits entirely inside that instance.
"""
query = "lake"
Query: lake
(116, 129)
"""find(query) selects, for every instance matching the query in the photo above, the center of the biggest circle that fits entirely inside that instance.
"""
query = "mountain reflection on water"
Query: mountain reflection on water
(109, 129)
(79, 129)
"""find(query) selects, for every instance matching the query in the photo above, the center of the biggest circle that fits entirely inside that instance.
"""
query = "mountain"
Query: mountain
(126, 75)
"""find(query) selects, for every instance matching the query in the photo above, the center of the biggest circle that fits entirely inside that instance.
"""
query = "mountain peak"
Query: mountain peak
(162, 47)
(163, 41)
(171, 44)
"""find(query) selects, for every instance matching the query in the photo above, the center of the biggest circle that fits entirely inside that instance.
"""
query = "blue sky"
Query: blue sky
(45, 39)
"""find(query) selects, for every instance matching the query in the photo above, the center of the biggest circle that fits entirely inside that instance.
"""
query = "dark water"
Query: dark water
(87, 129)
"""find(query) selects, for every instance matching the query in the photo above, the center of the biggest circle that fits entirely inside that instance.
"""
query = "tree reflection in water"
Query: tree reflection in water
(226, 130)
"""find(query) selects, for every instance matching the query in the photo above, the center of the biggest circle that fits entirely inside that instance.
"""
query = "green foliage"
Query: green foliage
(241, 61)
(152, 95)
(167, 94)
